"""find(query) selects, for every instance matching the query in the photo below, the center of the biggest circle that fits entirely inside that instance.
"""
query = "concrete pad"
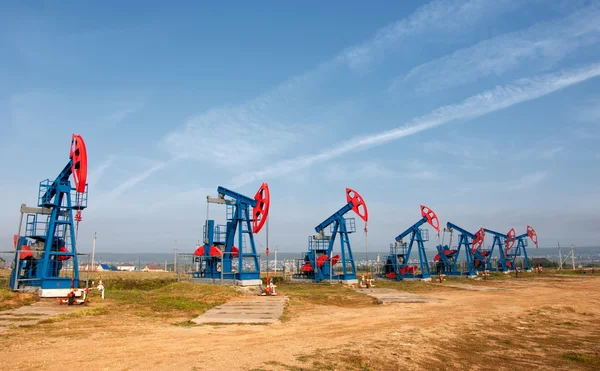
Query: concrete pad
(252, 310)
(386, 296)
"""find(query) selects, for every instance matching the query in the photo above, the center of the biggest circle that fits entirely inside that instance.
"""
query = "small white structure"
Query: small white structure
(153, 268)
(126, 267)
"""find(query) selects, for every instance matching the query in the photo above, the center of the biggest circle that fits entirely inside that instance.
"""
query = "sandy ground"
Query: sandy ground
(551, 323)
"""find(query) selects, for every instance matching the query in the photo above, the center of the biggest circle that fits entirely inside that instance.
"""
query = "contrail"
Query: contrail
(500, 97)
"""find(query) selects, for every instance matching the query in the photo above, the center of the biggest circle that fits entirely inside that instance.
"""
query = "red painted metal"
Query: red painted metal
(335, 259)
(214, 251)
(478, 240)
(79, 168)
(511, 239)
(261, 211)
(446, 252)
(25, 250)
(63, 257)
(323, 258)
(359, 205)
(432, 218)
(531, 233)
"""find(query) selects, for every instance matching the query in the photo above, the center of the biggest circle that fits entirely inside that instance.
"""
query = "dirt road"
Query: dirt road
(534, 324)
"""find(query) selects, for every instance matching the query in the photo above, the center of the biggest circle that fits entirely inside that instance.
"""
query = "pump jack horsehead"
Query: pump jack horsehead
(51, 229)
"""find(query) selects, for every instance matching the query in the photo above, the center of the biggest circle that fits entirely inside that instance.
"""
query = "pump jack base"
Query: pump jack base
(57, 293)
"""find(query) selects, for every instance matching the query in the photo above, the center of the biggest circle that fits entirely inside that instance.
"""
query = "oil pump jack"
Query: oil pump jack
(511, 253)
(503, 265)
(215, 257)
(50, 239)
(476, 257)
(397, 263)
(318, 262)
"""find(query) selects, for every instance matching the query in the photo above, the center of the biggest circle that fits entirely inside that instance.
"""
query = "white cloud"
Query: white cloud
(489, 101)
(544, 44)
(248, 134)
(235, 137)
(139, 177)
(96, 174)
(446, 17)
(127, 109)
(552, 152)
(529, 180)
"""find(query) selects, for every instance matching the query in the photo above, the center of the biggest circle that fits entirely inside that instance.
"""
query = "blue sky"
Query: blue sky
(486, 111)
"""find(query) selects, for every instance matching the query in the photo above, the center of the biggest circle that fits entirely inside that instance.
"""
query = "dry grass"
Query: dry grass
(324, 294)
(12, 300)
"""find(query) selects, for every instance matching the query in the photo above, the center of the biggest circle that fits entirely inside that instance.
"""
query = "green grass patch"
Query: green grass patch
(582, 358)
(185, 298)
(184, 324)
(87, 312)
(11, 300)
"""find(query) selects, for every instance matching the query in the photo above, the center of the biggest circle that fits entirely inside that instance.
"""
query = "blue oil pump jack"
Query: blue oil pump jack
(397, 263)
(475, 256)
(503, 243)
(216, 255)
(318, 262)
(50, 230)
(512, 252)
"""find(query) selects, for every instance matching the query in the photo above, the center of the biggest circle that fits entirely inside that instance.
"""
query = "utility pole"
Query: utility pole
(93, 251)
(573, 256)
(175, 257)
(559, 256)
(275, 274)
(367, 252)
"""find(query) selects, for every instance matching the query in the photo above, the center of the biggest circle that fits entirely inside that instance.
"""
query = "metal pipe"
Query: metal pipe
(17, 249)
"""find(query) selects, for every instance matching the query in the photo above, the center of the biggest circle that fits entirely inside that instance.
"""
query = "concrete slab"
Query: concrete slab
(252, 310)
(386, 296)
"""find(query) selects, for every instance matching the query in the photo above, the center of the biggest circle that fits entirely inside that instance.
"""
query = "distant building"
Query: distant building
(103, 267)
(152, 268)
(126, 267)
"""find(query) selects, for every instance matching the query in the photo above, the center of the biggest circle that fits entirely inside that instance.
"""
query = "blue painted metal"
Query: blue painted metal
(522, 247)
(506, 261)
(446, 260)
(318, 261)
(222, 238)
(50, 238)
(477, 260)
(397, 263)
